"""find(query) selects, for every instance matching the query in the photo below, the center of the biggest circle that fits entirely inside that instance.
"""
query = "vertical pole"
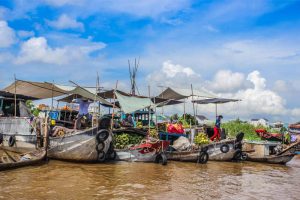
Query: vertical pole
(52, 95)
(149, 112)
(15, 95)
(184, 109)
(113, 109)
(193, 102)
(216, 110)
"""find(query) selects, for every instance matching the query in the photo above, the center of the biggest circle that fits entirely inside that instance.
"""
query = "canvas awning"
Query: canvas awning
(39, 90)
(44, 90)
(177, 94)
(215, 101)
(130, 104)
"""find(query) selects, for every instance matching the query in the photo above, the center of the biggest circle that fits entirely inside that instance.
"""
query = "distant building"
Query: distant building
(258, 122)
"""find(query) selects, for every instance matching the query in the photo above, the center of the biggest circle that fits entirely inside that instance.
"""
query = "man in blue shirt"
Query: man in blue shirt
(83, 114)
(217, 129)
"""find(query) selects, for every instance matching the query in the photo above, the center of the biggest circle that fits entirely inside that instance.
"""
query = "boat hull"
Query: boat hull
(213, 150)
(281, 159)
(77, 147)
(38, 157)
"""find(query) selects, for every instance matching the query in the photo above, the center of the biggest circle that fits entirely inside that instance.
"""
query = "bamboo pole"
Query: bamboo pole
(149, 112)
(113, 109)
(15, 95)
(193, 101)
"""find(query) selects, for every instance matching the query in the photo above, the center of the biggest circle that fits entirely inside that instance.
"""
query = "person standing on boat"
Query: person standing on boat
(83, 113)
(217, 129)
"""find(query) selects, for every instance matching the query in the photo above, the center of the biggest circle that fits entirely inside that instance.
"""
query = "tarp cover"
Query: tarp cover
(44, 90)
(39, 90)
(215, 101)
(176, 93)
(130, 104)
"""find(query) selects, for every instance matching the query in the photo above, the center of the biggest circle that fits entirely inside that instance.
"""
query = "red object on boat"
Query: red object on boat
(266, 135)
(175, 128)
(149, 146)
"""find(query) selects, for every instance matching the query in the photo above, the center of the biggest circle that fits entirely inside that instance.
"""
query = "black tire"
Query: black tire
(204, 149)
(100, 146)
(161, 158)
(239, 137)
(101, 156)
(237, 155)
(224, 148)
(112, 155)
(111, 148)
(102, 135)
(104, 123)
(244, 156)
(1, 138)
(203, 157)
(11, 140)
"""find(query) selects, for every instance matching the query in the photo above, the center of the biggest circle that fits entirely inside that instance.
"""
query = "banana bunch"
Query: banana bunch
(121, 141)
(201, 138)
(139, 124)
(153, 133)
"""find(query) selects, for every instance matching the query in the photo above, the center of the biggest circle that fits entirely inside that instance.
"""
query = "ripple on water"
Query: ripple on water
(177, 180)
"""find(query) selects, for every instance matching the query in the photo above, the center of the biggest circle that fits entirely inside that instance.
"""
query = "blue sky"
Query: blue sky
(239, 49)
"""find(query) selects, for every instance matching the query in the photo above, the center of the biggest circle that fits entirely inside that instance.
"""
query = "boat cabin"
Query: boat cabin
(261, 148)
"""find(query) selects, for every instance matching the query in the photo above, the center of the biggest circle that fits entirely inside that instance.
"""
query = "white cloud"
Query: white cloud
(7, 35)
(25, 34)
(171, 70)
(38, 50)
(258, 81)
(66, 22)
(227, 81)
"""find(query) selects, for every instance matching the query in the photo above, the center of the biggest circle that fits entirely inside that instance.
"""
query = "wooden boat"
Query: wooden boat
(147, 151)
(225, 150)
(90, 145)
(12, 160)
(269, 152)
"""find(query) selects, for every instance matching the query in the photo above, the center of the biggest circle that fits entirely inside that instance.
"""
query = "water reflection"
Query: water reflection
(177, 180)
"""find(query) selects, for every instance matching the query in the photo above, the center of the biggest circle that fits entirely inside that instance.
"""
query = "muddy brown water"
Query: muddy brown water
(177, 180)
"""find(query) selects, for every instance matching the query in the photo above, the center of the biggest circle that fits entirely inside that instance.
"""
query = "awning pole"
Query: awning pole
(52, 95)
(193, 101)
(15, 95)
(113, 109)
(149, 112)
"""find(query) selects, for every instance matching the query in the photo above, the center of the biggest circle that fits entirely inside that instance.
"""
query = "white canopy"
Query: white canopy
(130, 104)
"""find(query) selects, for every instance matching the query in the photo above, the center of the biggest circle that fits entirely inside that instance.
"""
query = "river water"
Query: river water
(177, 180)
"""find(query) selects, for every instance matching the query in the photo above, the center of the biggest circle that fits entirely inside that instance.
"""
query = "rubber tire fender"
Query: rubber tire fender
(1, 138)
(102, 135)
(161, 158)
(112, 155)
(100, 146)
(11, 140)
(203, 157)
(101, 156)
(204, 149)
(237, 155)
(244, 156)
(224, 148)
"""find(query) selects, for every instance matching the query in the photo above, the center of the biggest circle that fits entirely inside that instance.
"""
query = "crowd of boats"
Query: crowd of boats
(28, 138)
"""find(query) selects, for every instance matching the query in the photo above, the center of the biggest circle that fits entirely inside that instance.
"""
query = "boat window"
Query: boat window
(272, 150)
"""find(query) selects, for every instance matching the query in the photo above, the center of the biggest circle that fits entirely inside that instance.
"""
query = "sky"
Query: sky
(249, 50)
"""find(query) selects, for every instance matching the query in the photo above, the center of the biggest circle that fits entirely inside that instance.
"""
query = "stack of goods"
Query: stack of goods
(201, 138)
(153, 133)
(122, 141)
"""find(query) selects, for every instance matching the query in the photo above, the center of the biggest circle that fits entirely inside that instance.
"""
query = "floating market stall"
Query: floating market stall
(92, 144)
